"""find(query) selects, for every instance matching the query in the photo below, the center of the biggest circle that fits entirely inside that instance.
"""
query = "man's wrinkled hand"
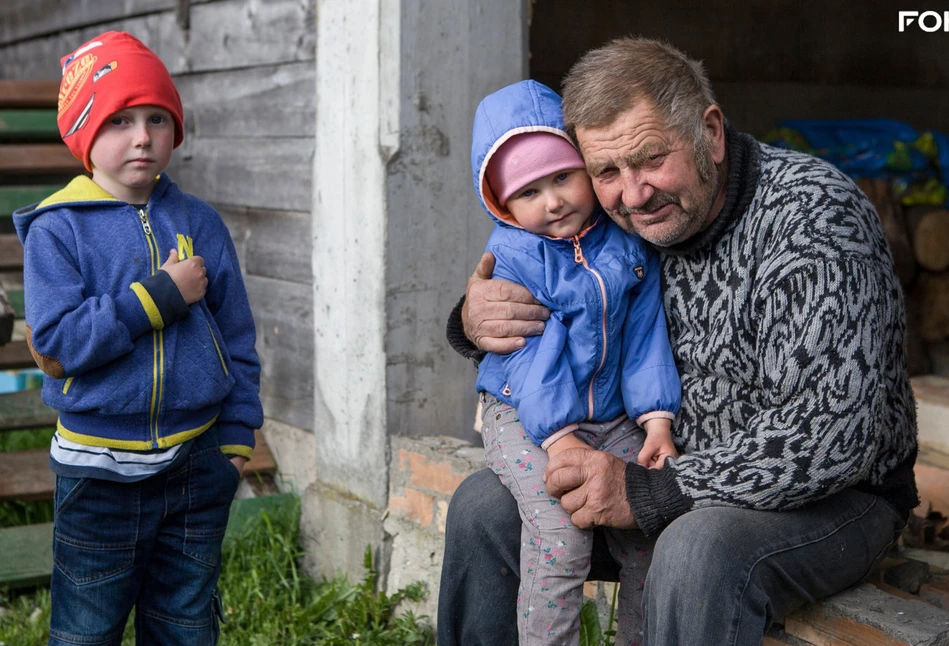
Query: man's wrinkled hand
(498, 314)
(591, 486)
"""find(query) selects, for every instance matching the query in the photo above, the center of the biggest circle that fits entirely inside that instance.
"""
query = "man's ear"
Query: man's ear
(714, 122)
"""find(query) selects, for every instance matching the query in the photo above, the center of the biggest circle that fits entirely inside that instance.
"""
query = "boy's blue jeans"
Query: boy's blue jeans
(718, 576)
(153, 544)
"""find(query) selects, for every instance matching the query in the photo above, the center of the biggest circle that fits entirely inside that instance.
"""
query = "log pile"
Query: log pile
(919, 241)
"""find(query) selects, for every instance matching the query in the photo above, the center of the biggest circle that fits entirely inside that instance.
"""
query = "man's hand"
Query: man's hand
(591, 486)
(497, 314)
(189, 275)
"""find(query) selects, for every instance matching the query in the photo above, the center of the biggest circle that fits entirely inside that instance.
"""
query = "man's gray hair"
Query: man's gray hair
(614, 78)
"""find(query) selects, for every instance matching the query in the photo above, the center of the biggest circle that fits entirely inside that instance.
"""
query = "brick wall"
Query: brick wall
(424, 474)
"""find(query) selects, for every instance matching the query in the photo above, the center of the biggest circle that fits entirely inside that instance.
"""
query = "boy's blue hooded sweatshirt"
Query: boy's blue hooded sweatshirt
(129, 364)
(605, 349)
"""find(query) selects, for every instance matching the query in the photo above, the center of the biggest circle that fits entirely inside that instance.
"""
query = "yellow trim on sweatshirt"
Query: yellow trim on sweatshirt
(92, 440)
(218, 348)
(154, 316)
(184, 436)
(133, 445)
(237, 449)
(80, 189)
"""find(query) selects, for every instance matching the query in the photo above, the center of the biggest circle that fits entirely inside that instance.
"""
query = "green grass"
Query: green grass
(591, 633)
(268, 600)
(15, 513)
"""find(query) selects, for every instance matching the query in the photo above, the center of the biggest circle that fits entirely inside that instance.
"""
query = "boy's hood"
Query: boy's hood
(81, 191)
(527, 106)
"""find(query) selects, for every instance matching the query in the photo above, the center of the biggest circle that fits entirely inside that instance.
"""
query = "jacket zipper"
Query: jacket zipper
(158, 348)
(581, 260)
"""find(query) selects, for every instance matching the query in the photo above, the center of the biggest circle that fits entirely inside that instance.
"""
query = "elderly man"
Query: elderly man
(797, 428)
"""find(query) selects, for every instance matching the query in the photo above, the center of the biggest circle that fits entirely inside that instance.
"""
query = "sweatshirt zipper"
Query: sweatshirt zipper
(581, 260)
(158, 348)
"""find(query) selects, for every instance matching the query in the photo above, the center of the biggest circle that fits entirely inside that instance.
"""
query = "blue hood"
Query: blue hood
(526, 106)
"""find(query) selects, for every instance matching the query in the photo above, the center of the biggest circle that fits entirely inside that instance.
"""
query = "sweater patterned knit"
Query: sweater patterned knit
(787, 322)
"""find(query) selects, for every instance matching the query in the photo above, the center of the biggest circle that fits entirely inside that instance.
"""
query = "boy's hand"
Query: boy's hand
(189, 275)
(239, 461)
(658, 445)
(568, 441)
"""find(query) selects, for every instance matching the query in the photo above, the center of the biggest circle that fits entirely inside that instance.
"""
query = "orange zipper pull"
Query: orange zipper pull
(577, 251)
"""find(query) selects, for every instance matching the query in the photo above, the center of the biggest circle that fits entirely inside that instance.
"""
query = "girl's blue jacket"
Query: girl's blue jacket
(605, 349)
(129, 364)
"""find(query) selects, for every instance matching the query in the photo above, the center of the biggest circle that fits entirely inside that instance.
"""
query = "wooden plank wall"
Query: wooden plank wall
(246, 73)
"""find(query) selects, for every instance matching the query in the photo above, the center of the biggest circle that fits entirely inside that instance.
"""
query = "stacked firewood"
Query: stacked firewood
(919, 240)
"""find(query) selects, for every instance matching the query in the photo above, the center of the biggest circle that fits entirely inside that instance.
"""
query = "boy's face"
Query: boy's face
(557, 205)
(131, 149)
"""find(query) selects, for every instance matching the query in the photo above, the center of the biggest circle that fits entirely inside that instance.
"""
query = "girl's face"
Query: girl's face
(558, 205)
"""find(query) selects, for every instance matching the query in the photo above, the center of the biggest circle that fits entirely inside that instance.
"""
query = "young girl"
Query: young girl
(600, 377)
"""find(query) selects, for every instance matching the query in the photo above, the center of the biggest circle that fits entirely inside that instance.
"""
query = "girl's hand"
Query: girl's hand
(658, 445)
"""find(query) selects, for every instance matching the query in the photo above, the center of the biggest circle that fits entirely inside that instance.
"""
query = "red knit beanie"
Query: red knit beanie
(111, 72)
(527, 157)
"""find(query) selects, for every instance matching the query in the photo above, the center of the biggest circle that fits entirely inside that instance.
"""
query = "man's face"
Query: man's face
(646, 178)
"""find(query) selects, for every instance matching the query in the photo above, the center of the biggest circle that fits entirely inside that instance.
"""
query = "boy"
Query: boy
(151, 365)
(600, 377)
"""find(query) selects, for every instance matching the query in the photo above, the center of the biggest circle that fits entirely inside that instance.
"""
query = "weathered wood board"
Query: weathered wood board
(284, 318)
(25, 475)
(271, 244)
(32, 125)
(24, 409)
(227, 34)
(15, 355)
(266, 101)
(28, 93)
(28, 555)
(262, 173)
(7, 316)
(26, 159)
(11, 252)
(23, 19)
(15, 197)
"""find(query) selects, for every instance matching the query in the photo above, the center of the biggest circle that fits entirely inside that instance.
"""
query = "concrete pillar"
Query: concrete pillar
(396, 231)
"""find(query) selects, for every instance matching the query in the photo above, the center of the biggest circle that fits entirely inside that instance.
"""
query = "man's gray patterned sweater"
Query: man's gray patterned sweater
(787, 324)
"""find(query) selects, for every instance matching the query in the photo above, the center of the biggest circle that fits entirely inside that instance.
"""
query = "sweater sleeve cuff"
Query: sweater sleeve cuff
(161, 300)
(656, 414)
(456, 335)
(132, 314)
(566, 430)
(654, 497)
(237, 439)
